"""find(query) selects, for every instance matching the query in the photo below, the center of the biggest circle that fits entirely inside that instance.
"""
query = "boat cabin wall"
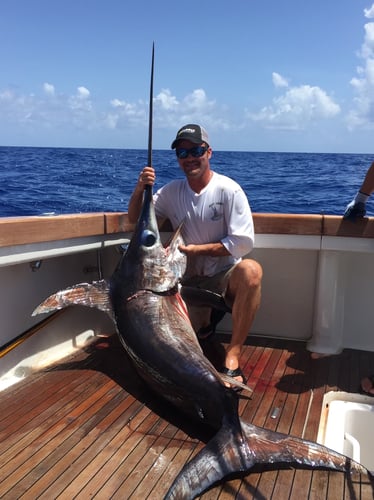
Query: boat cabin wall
(318, 281)
(31, 342)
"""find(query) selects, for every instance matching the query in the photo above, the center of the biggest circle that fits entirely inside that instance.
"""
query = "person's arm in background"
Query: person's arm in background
(357, 207)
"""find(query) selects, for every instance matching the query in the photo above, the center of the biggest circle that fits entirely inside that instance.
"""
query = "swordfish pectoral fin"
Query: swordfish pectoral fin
(94, 294)
(235, 383)
(268, 447)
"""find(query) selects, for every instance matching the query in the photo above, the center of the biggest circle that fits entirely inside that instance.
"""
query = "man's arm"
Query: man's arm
(368, 184)
(211, 249)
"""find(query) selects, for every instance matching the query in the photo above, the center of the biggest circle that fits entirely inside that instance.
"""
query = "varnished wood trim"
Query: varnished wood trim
(336, 226)
(117, 222)
(287, 224)
(28, 230)
(315, 225)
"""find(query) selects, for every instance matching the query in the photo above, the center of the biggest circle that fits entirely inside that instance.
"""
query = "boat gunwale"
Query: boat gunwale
(37, 229)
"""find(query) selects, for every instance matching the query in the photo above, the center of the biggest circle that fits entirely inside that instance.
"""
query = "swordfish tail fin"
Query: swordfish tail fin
(238, 451)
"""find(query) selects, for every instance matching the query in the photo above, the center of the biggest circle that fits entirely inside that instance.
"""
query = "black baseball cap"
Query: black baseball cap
(191, 132)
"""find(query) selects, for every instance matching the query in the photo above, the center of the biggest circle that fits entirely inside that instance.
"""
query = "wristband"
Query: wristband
(361, 197)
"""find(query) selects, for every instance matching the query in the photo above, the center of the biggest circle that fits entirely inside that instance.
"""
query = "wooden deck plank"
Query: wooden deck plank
(301, 485)
(91, 480)
(32, 434)
(187, 448)
(36, 402)
(283, 485)
(318, 488)
(148, 457)
(165, 453)
(52, 447)
(78, 458)
(30, 424)
(129, 455)
(89, 429)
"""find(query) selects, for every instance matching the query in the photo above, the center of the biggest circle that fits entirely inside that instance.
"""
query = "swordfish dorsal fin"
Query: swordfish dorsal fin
(175, 263)
(95, 294)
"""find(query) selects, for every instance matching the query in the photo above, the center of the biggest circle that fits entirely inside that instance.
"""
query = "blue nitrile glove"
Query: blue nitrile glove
(357, 207)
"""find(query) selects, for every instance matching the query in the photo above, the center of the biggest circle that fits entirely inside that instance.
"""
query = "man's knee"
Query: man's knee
(249, 273)
(245, 281)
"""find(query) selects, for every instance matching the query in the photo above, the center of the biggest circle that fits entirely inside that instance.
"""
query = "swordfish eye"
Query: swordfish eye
(148, 238)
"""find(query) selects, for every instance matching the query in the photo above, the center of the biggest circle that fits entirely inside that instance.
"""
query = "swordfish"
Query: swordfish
(143, 298)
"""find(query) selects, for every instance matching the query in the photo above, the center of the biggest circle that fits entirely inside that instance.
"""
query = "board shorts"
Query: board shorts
(216, 283)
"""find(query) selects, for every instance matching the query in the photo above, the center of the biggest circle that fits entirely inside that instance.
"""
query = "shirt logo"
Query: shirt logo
(217, 211)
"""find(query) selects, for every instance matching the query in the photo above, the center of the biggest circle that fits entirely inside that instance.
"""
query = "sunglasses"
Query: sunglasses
(196, 152)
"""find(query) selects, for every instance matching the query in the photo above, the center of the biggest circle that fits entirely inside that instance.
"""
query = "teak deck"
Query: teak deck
(88, 427)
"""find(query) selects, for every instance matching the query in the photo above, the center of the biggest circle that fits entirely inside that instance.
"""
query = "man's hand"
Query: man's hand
(189, 249)
(354, 210)
(147, 177)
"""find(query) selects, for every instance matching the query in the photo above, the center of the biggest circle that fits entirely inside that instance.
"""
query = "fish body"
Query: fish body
(152, 322)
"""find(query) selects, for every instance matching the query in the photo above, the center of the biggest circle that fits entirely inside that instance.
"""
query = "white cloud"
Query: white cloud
(166, 101)
(279, 80)
(6, 95)
(198, 100)
(124, 107)
(124, 115)
(81, 100)
(169, 111)
(17, 108)
(49, 89)
(369, 13)
(367, 49)
(83, 93)
(52, 110)
(117, 103)
(111, 121)
(296, 108)
(195, 107)
(362, 113)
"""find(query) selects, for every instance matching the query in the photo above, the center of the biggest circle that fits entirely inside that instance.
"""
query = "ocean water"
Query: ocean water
(35, 181)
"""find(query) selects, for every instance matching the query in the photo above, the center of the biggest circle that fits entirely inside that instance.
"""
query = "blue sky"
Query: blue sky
(260, 75)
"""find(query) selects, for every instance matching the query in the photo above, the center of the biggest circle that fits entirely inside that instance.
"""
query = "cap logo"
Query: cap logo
(188, 130)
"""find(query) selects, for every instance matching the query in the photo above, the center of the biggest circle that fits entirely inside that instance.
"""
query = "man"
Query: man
(218, 231)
